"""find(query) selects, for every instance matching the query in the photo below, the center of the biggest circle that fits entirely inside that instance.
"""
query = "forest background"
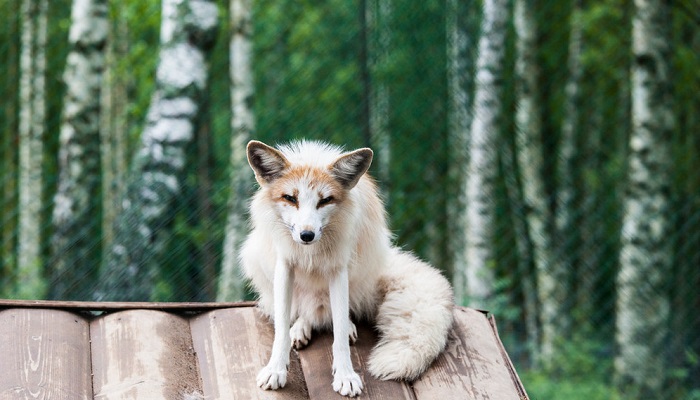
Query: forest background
(543, 154)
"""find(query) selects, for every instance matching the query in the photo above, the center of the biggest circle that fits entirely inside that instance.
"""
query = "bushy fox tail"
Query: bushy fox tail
(413, 320)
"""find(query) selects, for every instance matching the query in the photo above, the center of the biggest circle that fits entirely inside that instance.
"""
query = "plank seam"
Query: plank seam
(92, 363)
(198, 369)
(301, 371)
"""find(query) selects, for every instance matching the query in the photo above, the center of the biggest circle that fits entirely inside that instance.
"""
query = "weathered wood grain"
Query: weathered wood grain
(200, 353)
(44, 354)
(143, 354)
(471, 367)
(232, 346)
(316, 362)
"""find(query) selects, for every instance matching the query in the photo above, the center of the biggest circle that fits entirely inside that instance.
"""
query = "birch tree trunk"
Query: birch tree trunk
(537, 215)
(643, 306)
(113, 129)
(482, 172)
(31, 132)
(231, 285)
(188, 28)
(459, 45)
(76, 239)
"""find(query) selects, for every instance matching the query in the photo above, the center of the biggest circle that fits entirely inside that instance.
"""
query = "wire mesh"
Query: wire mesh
(349, 72)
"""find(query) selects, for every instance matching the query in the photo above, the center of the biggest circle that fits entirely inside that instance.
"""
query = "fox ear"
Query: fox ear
(267, 162)
(349, 168)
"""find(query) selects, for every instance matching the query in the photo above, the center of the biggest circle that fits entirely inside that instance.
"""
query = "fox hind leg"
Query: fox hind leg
(300, 333)
(353, 334)
(301, 330)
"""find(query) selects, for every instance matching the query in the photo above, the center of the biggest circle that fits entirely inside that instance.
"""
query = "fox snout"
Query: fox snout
(305, 220)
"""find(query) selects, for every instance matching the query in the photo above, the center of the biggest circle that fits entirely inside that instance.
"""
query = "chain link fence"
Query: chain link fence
(388, 75)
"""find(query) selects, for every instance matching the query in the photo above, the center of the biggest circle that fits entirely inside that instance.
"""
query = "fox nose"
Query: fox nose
(307, 236)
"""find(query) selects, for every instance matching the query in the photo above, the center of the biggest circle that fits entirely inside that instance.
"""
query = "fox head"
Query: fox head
(307, 190)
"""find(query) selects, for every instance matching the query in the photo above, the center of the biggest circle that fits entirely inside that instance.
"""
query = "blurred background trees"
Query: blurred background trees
(76, 217)
(571, 127)
(32, 129)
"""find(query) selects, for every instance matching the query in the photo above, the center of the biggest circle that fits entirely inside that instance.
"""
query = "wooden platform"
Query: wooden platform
(73, 350)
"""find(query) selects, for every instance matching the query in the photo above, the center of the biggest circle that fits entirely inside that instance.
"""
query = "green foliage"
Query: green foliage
(605, 28)
(418, 111)
(9, 47)
(580, 371)
(310, 86)
(541, 387)
(136, 27)
(27, 287)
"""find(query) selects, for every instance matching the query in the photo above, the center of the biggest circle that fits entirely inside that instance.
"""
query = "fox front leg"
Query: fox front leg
(274, 374)
(345, 380)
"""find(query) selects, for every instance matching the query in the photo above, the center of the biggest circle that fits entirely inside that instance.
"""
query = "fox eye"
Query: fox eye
(325, 201)
(290, 198)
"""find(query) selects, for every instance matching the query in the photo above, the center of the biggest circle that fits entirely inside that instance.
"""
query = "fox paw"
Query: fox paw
(300, 333)
(347, 383)
(269, 378)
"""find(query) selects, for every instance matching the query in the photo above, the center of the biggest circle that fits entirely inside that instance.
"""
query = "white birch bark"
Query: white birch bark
(551, 291)
(76, 238)
(643, 306)
(483, 150)
(31, 132)
(113, 129)
(459, 50)
(188, 28)
(231, 285)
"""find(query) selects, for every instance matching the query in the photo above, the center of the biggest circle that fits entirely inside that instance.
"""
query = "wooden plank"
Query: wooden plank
(45, 354)
(316, 362)
(151, 354)
(232, 346)
(472, 366)
(143, 354)
(121, 305)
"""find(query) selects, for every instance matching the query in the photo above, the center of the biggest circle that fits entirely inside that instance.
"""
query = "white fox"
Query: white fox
(320, 251)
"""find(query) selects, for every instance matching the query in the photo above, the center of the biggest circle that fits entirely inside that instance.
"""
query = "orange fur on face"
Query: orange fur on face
(313, 178)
